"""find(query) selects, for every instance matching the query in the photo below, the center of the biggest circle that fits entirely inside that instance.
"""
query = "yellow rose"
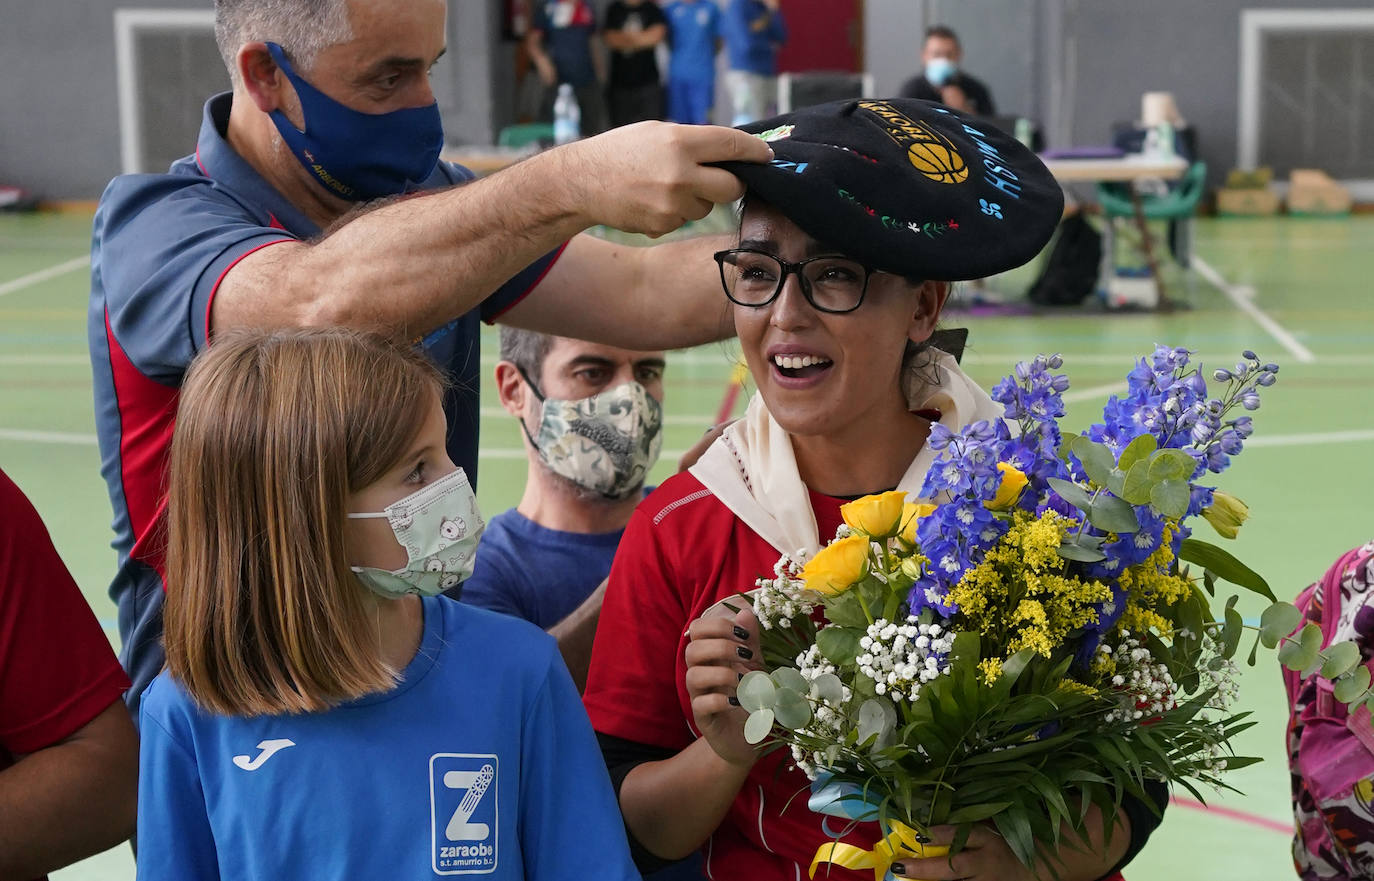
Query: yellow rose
(878, 516)
(1013, 481)
(1226, 514)
(911, 517)
(838, 566)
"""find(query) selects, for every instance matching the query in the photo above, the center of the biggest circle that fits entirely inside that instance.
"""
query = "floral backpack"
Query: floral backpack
(1331, 751)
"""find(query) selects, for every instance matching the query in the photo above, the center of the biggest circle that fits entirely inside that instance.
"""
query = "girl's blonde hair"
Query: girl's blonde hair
(273, 432)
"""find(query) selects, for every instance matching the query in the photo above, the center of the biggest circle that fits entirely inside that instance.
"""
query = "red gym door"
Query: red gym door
(822, 35)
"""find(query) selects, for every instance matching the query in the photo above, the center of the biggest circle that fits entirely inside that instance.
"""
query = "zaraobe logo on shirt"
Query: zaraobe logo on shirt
(463, 813)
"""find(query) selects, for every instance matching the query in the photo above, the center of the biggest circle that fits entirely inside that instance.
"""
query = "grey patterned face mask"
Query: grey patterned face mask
(439, 526)
(606, 443)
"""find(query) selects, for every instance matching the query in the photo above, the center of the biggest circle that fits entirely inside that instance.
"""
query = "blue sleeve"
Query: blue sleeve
(717, 32)
(570, 824)
(735, 25)
(160, 244)
(174, 835)
(778, 28)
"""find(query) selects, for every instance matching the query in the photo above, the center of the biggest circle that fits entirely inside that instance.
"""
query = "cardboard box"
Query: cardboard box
(1311, 191)
(1247, 202)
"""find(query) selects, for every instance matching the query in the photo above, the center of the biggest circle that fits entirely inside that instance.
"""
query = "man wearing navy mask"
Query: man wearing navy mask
(259, 227)
(941, 78)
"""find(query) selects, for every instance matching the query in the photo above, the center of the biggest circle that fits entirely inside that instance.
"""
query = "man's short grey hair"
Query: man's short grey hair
(301, 27)
(526, 349)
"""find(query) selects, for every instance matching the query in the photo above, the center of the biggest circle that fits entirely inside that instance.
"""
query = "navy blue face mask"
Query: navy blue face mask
(355, 155)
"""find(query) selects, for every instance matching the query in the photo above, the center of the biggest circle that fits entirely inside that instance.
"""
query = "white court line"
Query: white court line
(47, 437)
(1302, 440)
(89, 440)
(42, 275)
(1244, 299)
(1097, 391)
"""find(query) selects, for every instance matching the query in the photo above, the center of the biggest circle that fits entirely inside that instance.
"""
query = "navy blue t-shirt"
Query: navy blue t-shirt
(568, 27)
(539, 574)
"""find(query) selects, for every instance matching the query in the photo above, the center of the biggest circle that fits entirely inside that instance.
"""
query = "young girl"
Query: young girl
(324, 713)
(833, 301)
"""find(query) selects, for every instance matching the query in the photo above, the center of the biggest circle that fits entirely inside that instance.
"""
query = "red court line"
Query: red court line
(1231, 814)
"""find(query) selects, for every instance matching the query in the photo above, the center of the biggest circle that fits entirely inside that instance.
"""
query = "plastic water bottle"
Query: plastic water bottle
(567, 116)
(1166, 139)
(1024, 132)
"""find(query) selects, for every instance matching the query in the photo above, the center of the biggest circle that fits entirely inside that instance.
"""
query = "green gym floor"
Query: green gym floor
(1297, 291)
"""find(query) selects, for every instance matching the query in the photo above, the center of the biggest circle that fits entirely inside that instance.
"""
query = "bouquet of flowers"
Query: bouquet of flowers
(1040, 637)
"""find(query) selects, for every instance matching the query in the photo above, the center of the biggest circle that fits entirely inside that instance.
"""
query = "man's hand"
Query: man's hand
(722, 650)
(986, 857)
(652, 177)
(544, 67)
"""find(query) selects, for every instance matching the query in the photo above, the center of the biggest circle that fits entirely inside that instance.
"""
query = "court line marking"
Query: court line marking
(1243, 297)
(1096, 391)
(1298, 440)
(1232, 814)
(45, 360)
(47, 437)
(42, 275)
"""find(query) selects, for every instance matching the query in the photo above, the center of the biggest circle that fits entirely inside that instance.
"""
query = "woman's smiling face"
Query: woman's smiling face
(821, 373)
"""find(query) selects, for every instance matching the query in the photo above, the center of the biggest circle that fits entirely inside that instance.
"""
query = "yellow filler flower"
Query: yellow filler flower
(878, 516)
(838, 566)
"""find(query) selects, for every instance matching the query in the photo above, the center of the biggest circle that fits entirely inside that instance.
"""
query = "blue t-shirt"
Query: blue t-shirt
(750, 50)
(161, 244)
(539, 574)
(568, 27)
(693, 29)
(480, 762)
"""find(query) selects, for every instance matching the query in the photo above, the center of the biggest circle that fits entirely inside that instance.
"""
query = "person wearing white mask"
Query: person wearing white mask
(942, 78)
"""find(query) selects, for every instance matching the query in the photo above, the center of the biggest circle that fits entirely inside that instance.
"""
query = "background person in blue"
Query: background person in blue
(324, 713)
(694, 37)
(332, 107)
(754, 30)
(561, 45)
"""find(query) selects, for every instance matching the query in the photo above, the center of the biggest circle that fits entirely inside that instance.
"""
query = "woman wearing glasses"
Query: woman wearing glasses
(847, 244)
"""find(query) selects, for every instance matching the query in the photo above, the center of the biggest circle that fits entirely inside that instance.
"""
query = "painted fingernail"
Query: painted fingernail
(739, 677)
(743, 652)
(898, 869)
(741, 633)
(734, 701)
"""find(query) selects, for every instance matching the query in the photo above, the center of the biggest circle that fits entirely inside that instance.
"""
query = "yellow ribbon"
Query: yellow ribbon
(900, 843)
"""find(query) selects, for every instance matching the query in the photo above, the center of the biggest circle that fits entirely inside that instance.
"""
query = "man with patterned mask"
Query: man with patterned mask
(591, 419)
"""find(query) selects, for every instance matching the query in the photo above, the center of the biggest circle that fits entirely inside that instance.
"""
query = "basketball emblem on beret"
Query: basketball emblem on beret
(938, 162)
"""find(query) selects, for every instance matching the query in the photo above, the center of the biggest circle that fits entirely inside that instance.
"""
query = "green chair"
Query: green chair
(524, 134)
(1178, 206)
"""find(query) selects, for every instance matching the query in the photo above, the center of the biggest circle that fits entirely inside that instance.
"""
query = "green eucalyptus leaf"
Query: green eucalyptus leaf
(791, 679)
(829, 688)
(1277, 621)
(1111, 514)
(840, 645)
(1291, 655)
(757, 726)
(1310, 638)
(1341, 658)
(1116, 484)
(1097, 459)
(1231, 631)
(1350, 688)
(1170, 498)
(1072, 493)
(756, 691)
(1079, 553)
(877, 719)
(793, 710)
(1226, 566)
(1137, 485)
(1171, 465)
(1138, 450)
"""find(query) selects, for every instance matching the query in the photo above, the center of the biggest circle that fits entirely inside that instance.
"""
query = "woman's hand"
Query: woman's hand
(722, 649)
(986, 857)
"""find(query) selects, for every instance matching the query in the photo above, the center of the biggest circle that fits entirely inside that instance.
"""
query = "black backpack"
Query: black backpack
(1070, 272)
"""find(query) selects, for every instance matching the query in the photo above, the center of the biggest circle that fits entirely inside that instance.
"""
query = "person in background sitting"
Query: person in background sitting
(941, 78)
(68, 750)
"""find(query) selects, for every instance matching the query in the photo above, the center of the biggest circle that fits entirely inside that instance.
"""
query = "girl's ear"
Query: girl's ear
(930, 301)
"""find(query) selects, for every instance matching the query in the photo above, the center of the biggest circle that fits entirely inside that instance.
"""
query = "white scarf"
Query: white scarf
(751, 468)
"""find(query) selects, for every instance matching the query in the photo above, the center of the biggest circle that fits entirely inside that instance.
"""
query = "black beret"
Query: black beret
(907, 186)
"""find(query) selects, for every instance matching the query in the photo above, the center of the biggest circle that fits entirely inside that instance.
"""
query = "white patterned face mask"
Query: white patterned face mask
(439, 526)
(605, 443)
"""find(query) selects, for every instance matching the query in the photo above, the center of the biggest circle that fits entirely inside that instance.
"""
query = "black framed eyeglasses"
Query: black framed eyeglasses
(831, 284)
